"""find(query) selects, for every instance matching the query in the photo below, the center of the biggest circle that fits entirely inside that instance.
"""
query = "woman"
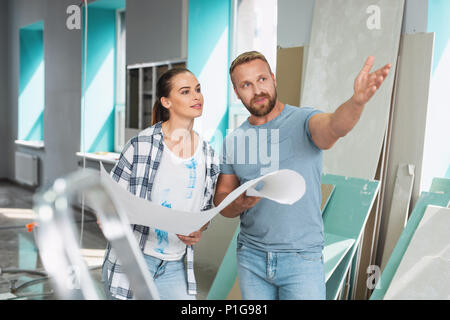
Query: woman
(167, 163)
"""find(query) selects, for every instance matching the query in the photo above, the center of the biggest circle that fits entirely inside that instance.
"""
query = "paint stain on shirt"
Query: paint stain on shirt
(191, 165)
(163, 236)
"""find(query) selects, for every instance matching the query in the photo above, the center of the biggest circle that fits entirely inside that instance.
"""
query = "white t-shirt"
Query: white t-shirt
(179, 184)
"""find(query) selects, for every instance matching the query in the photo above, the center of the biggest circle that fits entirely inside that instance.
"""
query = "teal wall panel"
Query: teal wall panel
(97, 122)
(438, 22)
(31, 82)
(208, 59)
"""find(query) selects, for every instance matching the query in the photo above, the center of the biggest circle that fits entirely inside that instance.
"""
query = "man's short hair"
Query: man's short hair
(247, 57)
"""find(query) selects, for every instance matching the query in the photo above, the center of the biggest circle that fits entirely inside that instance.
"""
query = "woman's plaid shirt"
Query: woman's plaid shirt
(136, 171)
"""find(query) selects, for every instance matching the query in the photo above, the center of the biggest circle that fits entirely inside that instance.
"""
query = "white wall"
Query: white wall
(154, 30)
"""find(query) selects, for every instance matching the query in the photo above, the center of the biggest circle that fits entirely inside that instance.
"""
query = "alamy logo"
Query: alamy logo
(74, 19)
(374, 20)
(253, 146)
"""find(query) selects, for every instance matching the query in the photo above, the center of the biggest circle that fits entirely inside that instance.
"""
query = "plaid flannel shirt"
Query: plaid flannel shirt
(136, 171)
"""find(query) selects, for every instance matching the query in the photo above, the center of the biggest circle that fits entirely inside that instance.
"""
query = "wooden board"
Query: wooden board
(289, 74)
(327, 192)
(335, 249)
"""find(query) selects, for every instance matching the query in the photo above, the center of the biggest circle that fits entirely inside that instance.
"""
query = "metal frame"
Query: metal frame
(56, 237)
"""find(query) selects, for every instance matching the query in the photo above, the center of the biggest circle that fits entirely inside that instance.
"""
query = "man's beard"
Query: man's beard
(266, 109)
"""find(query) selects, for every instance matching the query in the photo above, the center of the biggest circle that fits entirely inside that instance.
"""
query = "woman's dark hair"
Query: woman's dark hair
(163, 88)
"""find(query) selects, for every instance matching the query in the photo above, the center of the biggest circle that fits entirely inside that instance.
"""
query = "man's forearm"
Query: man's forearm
(229, 211)
(345, 117)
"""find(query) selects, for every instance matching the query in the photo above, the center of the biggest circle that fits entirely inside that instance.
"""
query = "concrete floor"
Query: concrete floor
(18, 249)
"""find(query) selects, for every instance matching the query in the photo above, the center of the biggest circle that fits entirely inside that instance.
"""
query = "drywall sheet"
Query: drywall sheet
(348, 209)
(289, 74)
(398, 215)
(344, 33)
(426, 198)
(346, 216)
(335, 282)
(409, 115)
(327, 192)
(440, 185)
(424, 272)
(283, 186)
(336, 247)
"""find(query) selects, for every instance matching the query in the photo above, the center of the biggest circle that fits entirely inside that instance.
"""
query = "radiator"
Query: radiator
(27, 169)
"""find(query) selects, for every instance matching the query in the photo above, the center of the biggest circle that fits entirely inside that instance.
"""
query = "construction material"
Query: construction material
(424, 272)
(398, 215)
(335, 57)
(289, 74)
(406, 143)
(327, 192)
(440, 185)
(426, 198)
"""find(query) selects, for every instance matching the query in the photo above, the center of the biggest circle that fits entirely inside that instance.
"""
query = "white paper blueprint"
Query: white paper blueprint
(283, 186)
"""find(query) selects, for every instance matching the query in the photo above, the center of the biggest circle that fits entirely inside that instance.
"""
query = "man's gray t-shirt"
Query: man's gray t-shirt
(271, 226)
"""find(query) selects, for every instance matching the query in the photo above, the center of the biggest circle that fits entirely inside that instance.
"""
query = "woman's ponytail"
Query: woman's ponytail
(159, 112)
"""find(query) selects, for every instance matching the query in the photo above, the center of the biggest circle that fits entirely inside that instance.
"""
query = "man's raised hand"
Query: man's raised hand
(366, 83)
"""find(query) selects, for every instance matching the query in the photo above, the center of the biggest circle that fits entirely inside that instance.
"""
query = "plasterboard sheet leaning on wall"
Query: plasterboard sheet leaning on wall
(344, 34)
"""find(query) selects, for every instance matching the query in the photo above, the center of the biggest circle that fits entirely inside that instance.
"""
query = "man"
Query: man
(279, 249)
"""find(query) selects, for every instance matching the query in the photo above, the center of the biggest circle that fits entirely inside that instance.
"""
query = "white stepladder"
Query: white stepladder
(56, 238)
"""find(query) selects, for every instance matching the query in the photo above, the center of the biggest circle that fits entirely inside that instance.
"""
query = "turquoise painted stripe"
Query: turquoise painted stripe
(438, 22)
(98, 117)
(208, 20)
(31, 100)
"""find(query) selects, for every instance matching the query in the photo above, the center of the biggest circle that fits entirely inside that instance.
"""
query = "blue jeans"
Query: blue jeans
(169, 277)
(280, 275)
